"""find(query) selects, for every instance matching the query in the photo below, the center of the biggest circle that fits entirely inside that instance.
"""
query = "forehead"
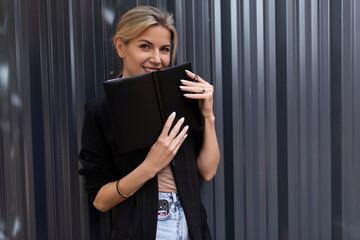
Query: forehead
(155, 34)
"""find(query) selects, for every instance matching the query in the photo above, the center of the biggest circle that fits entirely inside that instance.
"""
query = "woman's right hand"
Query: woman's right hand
(159, 156)
(167, 145)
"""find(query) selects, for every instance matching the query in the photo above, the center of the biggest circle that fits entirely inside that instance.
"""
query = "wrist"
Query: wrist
(147, 169)
(209, 118)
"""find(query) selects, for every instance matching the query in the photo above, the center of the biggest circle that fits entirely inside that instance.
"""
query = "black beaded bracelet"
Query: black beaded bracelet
(117, 188)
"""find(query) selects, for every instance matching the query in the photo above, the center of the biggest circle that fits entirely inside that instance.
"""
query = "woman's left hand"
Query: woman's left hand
(201, 90)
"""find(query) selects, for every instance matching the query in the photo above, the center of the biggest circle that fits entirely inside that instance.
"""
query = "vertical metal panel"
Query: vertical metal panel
(336, 124)
(218, 214)
(287, 94)
(271, 110)
(314, 163)
(238, 174)
(293, 144)
(281, 123)
(224, 7)
(247, 93)
(309, 127)
(262, 230)
(325, 116)
(350, 224)
(356, 119)
(346, 119)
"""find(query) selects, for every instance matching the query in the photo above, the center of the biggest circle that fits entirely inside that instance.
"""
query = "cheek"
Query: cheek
(135, 55)
(166, 61)
(142, 57)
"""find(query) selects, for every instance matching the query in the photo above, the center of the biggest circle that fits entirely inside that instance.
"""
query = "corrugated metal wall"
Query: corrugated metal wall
(287, 102)
(291, 119)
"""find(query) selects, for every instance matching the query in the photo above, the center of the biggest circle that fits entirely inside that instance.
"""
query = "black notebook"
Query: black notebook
(140, 105)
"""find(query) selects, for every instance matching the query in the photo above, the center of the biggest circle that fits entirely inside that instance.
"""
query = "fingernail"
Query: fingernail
(182, 80)
(182, 87)
(185, 94)
(186, 127)
(187, 71)
(173, 113)
(185, 135)
(182, 119)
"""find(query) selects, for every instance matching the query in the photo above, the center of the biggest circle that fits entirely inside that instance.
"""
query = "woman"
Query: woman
(153, 199)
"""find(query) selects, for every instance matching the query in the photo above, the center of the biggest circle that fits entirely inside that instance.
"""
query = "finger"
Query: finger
(181, 137)
(196, 89)
(167, 126)
(176, 128)
(191, 83)
(198, 96)
(200, 89)
(194, 77)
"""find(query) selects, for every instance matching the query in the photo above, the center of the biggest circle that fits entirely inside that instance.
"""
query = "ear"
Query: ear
(119, 47)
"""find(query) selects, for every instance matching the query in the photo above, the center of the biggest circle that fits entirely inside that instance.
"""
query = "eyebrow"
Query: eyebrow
(150, 43)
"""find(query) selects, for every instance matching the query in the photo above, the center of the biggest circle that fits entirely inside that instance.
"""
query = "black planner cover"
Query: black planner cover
(140, 105)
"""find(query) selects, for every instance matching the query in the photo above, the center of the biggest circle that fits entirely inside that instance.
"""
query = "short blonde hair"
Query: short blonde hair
(137, 20)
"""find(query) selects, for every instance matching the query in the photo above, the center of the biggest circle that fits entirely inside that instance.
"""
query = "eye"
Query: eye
(145, 46)
(165, 49)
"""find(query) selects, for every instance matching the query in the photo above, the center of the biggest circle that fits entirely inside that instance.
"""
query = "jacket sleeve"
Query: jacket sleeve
(96, 154)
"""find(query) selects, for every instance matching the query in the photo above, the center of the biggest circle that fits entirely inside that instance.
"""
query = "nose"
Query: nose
(155, 58)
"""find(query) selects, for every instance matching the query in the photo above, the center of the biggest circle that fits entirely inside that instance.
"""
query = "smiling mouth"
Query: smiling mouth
(151, 69)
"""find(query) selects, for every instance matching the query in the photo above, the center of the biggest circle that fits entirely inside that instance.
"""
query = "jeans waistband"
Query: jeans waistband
(169, 196)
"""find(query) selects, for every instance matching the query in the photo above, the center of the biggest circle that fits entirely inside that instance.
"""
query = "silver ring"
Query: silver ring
(196, 78)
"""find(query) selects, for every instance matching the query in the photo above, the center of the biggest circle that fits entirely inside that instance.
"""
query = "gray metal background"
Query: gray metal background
(287, 94)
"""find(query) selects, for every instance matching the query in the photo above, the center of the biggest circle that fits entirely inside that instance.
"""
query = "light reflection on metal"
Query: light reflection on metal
(3, 26)
(16, 227)
(2, 229)
(4, 77)
(15, 100)
(12, 152)
(109, 15)
(4, 125)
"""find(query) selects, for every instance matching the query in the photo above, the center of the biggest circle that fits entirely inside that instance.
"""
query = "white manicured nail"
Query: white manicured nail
(182, 87)
(187, 71)
(185, 135)
(182, 119)
(173, 113)
(186, 127)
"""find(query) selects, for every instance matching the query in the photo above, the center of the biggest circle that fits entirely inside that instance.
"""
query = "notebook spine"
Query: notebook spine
(160, 101)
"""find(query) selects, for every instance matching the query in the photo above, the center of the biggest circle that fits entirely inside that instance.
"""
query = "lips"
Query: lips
(147, 69)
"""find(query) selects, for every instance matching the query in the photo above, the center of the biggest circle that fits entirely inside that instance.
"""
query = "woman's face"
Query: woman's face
(148, 52)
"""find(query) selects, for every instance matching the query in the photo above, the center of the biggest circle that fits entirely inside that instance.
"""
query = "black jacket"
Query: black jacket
(136, 217)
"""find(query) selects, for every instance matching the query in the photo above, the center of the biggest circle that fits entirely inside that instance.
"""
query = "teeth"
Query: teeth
(150, 70)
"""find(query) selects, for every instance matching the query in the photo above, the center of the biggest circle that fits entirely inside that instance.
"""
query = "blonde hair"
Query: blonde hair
(140, 18)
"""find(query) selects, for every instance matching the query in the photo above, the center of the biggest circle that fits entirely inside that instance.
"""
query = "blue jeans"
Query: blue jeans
(171, 224)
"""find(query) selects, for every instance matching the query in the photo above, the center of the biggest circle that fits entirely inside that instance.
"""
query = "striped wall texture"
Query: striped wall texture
(287, 104)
